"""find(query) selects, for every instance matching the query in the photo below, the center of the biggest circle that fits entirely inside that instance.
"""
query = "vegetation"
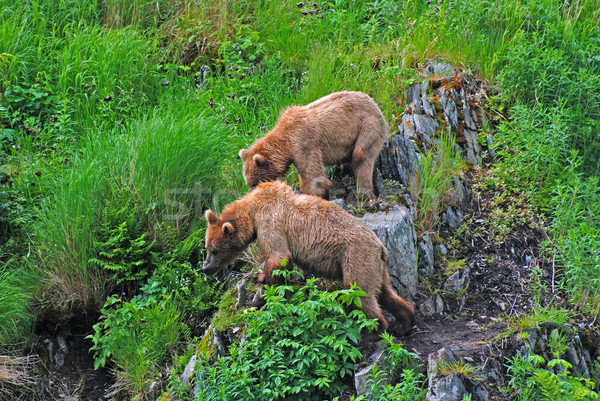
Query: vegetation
(120, 122)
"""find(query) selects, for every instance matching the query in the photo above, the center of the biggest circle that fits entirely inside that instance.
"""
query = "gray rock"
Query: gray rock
(415, 91)
(363, 375)
(428, 107)
(445, 388)
(472, 147)
(440, 68)
(426, 258)
(241, 294)
(397, 232)
(189, 371)
(481, 392)
(452, 217)
(341, 203)
(490, 146)
(259, 294)
(407, 127)
(460, 194)
(442, 249)
(399, 161)
(427, 308)
(425, 127)
(458, 281)
(432, 306)
(377, 182)
(450, 111)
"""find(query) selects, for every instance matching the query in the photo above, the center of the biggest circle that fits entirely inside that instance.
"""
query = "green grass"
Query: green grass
(170, 182)
(16, 300)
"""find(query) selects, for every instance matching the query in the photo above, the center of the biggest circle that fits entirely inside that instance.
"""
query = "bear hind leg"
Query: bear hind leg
(366, 150)
(399, 307)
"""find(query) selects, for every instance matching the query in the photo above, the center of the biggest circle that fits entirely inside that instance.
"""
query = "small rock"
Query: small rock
(440, 68)
(377, 182)
(428, 106)
(361, 377)
(458, 281)
(399, 161)
(442, 249)
(454, 219)
(407, 127)
(426, 256)
(241, 294)
(445, 388)
(341, 203)
(490, 146)
(189, 370)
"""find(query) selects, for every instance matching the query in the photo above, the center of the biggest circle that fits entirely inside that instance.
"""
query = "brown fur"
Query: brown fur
(341, 127)
(312, 233)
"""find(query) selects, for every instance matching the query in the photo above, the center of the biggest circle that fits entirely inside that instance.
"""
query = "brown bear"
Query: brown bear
(340, 127)
(312, 233)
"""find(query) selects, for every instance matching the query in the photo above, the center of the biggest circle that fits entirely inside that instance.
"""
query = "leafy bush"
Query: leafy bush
(299, 347)
(123, 248)
(532, 381)
(138, 336)
(402, 370)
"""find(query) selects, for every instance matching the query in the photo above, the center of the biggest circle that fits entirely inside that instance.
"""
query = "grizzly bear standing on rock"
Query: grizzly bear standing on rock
(341, 127)
(316, 235)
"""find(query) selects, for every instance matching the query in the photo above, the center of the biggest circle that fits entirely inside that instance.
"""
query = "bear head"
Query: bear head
(224, 242)
(257, 168)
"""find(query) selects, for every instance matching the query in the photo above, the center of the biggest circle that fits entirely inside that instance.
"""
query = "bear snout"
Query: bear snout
(209, 268)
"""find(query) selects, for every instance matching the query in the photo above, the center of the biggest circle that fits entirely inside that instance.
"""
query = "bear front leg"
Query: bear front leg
(313, 179)
(271, 264)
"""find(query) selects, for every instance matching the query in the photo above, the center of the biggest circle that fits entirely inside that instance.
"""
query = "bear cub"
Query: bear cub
(341, 127)
(312, 233)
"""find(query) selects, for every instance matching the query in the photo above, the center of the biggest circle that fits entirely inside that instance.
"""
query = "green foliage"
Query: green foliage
(539, 317)
(16, 300)
(531, 380)
(123, 248)
(138, 336)
(403, 370)
(299, 347)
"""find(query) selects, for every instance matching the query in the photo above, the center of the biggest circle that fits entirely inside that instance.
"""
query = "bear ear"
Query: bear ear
(244, 153)
(228, 228)
(211, 217)
(259, 160)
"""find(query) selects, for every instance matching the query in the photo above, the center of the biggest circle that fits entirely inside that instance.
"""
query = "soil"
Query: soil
(65, 368)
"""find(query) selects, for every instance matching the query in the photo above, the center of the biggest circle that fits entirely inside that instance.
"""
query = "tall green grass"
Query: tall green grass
(169, 160)
(16, 300)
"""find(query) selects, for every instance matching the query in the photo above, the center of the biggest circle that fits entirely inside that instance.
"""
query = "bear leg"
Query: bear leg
(368, 145)
(400, 308)
(266, 277)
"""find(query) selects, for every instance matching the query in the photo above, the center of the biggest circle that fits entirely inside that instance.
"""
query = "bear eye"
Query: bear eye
(214, 252)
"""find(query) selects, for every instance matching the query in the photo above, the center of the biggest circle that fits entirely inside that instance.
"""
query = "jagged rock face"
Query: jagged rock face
(396, 230)
(435, 105)
(399, 161)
